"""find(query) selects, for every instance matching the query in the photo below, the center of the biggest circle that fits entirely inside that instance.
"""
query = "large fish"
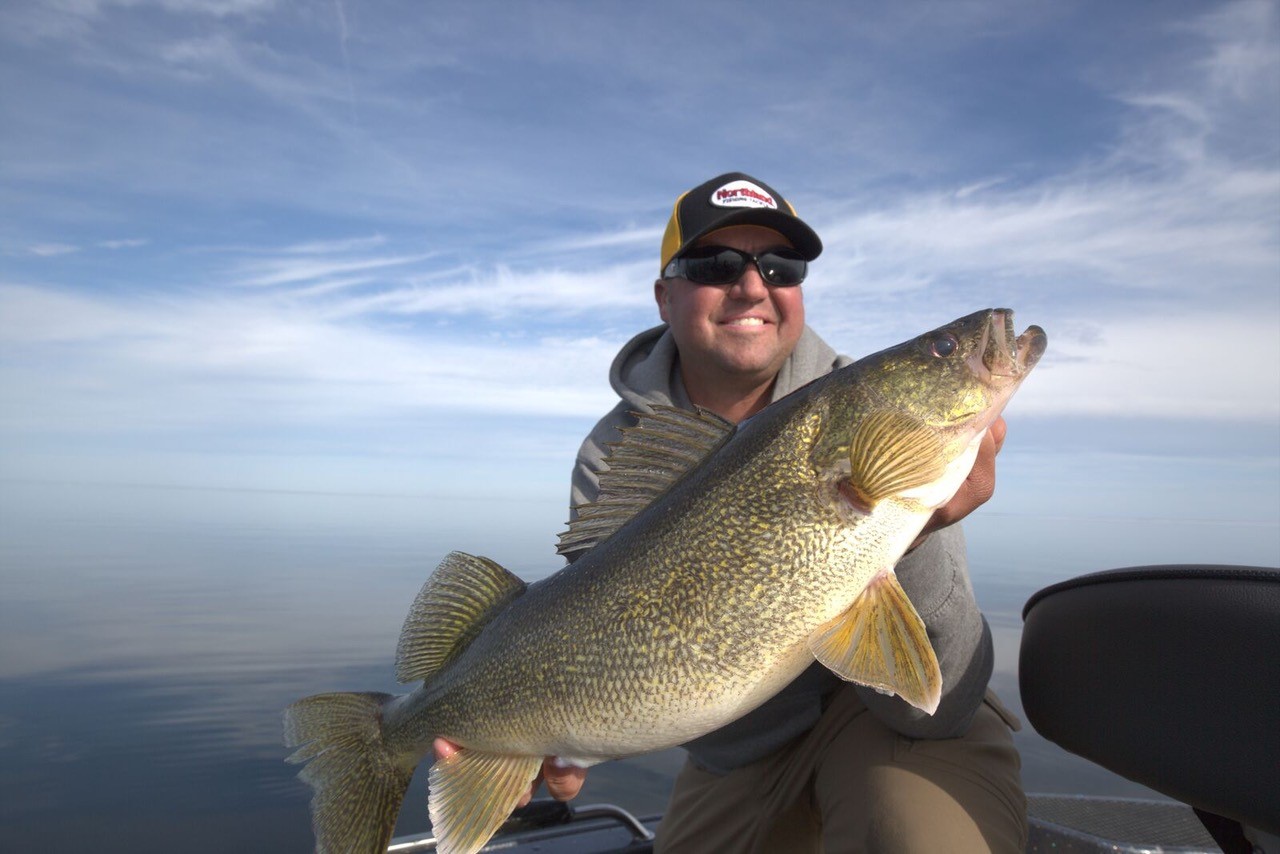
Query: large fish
(722, 561)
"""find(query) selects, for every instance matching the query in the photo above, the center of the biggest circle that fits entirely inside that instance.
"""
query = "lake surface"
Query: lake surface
(150, 637)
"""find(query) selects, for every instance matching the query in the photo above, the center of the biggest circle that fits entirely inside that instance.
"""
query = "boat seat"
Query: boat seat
(1166, 675)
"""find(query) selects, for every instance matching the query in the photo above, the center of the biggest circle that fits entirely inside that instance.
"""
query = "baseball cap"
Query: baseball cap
(734, 198)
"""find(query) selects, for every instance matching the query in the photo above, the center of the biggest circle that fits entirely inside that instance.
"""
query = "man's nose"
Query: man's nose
(749, 285)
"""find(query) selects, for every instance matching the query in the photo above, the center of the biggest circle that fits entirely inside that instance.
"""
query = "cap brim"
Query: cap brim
(802, 237)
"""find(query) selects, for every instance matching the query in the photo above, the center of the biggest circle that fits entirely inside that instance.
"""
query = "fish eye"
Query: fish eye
(943, 345)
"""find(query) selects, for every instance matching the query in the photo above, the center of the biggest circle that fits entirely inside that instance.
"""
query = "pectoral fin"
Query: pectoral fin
(891, 453)
(880, 641)
(473, 793)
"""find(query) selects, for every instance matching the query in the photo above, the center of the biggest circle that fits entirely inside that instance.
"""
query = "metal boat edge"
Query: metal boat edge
(1058, 823)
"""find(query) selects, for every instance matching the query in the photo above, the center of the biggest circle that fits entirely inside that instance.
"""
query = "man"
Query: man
(824, 765)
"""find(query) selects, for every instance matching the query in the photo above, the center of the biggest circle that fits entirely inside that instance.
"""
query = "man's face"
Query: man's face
(738, 332)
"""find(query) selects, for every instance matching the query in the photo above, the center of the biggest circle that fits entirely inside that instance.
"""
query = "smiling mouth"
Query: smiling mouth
(744, 321)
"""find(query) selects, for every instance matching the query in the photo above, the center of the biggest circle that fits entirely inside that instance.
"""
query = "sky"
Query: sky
(392, 248)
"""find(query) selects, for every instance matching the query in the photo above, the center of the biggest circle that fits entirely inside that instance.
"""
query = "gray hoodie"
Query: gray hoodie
(935, 575)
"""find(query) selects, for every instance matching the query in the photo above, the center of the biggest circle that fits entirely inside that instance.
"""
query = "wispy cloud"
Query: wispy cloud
(326, 247)
(1207, 366)
(303, 267)
(642, 238)
(1145, 263)
(1242, 59)
(205, 361)
(1170, 235)
(50, 250)
(504, 294)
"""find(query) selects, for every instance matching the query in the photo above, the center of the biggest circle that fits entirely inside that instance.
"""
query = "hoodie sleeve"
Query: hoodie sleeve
(935, 577)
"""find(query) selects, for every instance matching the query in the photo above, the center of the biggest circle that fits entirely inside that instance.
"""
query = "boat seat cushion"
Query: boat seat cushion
(1167, 675)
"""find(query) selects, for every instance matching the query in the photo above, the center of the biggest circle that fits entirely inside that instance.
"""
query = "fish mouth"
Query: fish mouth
(1005, 353)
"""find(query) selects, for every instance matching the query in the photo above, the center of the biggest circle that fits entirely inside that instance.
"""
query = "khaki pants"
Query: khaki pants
(851, 784)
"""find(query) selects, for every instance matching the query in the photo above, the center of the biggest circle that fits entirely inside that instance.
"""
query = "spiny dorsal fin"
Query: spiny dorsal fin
(652, 456)
(458, 600)
(880, 641)
(891, 453)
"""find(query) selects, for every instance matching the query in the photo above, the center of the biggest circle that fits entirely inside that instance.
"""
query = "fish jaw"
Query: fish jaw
(1006, 353)
(1002, 359)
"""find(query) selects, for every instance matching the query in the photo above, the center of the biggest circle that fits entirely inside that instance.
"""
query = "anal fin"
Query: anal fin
(473, 793)
(880, 641)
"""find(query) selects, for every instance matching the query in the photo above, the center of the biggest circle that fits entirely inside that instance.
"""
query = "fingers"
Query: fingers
(997, 431)
(563, 783)
(981, 483)
(977, 488)
(444, 748)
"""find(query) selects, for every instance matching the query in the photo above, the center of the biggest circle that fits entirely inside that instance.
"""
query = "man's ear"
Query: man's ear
(660, 296)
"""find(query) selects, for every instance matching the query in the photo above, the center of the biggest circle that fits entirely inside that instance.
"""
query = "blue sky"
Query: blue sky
(393, 247)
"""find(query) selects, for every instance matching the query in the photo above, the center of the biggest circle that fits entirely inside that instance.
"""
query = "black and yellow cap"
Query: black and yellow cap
(734, 198)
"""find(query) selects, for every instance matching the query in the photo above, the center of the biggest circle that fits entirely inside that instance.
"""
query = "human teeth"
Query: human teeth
(747, 321)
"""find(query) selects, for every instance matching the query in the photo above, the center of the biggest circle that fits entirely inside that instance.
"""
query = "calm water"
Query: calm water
(150, 637)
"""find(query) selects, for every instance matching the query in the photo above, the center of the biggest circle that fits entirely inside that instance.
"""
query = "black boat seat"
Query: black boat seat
(1166, 675)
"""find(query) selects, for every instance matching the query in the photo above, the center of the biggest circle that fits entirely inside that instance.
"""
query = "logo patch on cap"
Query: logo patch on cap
(742, 194)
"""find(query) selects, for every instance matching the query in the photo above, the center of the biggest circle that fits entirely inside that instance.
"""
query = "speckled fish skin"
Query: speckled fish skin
(706, 602)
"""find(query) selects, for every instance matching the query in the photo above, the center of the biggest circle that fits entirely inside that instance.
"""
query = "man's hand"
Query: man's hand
(562, 783)
(977, 488)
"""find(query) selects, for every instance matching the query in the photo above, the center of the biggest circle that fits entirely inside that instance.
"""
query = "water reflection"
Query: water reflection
(149, 639)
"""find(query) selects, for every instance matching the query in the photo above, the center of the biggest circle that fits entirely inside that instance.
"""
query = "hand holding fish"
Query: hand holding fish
(977, 488)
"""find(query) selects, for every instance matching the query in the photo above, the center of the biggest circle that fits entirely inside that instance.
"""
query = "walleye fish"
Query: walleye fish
(721, 562)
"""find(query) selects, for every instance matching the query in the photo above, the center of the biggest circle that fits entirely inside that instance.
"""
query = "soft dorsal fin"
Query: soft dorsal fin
(890, 453)
(652, 456)
(458, 600)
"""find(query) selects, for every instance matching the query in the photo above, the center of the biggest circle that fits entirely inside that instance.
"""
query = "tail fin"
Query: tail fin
(359, 784)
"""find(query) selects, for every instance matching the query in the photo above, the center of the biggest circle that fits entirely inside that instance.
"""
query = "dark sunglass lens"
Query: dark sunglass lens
(722, 265)
(715, 267)
(783, 268)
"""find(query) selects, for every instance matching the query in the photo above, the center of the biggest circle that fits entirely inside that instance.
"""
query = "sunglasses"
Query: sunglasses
(724, 265)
